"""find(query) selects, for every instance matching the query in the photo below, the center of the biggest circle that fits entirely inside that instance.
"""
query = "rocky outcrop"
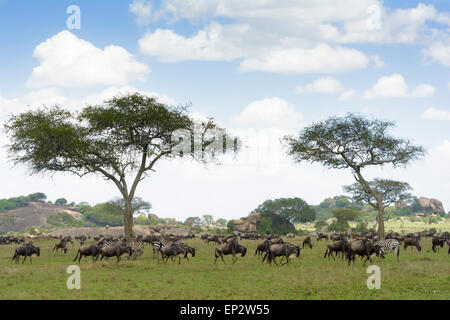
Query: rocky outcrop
(431, 204)
(401, 204)
(248, 225)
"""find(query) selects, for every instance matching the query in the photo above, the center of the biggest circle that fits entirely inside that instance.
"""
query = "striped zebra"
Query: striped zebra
(158, 244)
(389, 245)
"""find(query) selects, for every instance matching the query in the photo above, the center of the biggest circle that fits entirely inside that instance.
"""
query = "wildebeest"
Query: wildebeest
(362, 248)
(413, 242)
(27, 250)
(261, 247)
(307, 242)
(321, 236)
(436, 243)
(232, 247)
(61, 245)
(336, 247)
(214, 238)
(174, 250)
(115, 250)
(284, 250)
(92, 250)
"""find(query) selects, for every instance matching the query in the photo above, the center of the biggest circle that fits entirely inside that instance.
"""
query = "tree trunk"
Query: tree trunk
(128, 221)
(380, 220)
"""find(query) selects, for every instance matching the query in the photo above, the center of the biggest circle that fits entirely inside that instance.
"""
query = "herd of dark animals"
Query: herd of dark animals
(365, 245)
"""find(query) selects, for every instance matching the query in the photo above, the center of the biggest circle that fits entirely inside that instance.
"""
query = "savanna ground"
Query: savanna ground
(418, 275)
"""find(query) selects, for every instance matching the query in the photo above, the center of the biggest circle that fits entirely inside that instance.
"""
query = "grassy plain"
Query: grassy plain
(418, 275)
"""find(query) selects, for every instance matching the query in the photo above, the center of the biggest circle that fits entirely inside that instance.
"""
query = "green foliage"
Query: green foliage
(6, 221)
(325, 208)
(288, 209)
(207, 219)
(319, 225)
(138, 204)
(222, 222)
(21, 201)
(274, 223)
(196, 221)
(346, 214)
(105, 214)
(361, 227)
(83, 207)
(230, 226)
(63, 219)
(339, 226)
(61, 202)
(142, 220)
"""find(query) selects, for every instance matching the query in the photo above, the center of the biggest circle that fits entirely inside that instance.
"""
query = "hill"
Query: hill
(38, 214)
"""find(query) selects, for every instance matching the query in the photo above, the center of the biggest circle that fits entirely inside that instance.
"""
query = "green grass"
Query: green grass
(418, 275)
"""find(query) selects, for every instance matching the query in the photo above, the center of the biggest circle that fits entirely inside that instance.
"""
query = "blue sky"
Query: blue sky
(262, 68)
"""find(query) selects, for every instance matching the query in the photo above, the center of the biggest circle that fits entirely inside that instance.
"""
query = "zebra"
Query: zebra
(389, 245)
(158, 244)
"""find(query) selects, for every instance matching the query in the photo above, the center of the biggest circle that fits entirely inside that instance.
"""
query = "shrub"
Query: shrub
(63, 219)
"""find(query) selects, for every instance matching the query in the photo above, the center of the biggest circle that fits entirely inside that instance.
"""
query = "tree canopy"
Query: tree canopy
(354, 142)
(289, 209)
(390, 192)
(125, 136)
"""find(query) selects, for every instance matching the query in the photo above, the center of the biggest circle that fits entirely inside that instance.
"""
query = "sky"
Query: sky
(262, 69)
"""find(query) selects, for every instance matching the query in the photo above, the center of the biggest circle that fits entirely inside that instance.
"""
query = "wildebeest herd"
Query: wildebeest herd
(348, 246)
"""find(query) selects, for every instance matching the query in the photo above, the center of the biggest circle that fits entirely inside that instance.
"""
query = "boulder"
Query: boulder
(248, 225)
(430, 204)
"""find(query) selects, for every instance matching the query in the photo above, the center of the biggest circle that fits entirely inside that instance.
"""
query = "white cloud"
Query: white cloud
(346, 95)
(436, 114)
(395, 86)
(438, 52)
(208, 44)
(142, 10)
(377, 61)
(322, 85)
(68, 61)
(288, 37)
(320, 59)
(346, 21)
(269, 112)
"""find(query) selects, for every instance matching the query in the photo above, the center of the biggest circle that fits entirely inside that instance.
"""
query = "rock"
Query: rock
(430, 204)
(250, 225)
(331, 220)
(401, 204)
(36, 232)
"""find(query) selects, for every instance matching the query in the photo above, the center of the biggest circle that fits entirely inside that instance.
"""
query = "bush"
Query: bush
(105, 214)
(63, 219)
(319, 225)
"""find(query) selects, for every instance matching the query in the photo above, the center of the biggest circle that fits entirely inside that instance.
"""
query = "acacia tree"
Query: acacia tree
(354, 142)
(125, 136)
(389, 191)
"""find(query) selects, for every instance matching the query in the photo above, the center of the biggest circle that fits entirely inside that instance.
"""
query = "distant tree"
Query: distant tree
(353, 142)
(343, 216)
(142, 220)
(61, 202)
(207, 219)
(139, 206)
(126, 135)
(196, 221)
(221, 222)
(389, 192)
(319, 225)
(289, 209)
(38, 196)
